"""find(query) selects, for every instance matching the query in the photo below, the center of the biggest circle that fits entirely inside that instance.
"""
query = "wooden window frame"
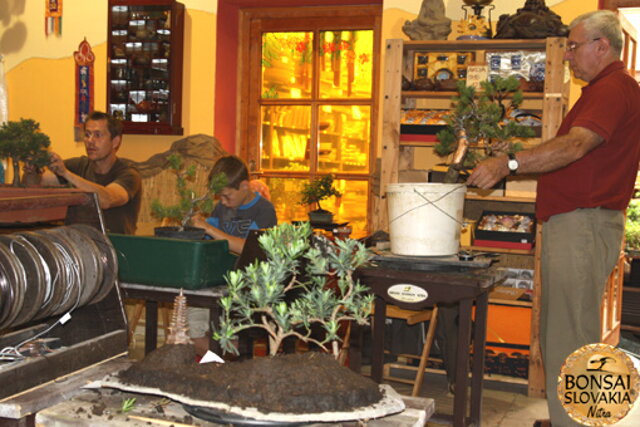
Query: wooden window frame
(299, 19)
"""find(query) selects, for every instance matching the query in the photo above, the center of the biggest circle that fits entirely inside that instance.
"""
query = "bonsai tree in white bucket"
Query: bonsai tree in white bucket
(189, 202)
(289, 292)
(479, 126)
(24, 142)
(313, 192)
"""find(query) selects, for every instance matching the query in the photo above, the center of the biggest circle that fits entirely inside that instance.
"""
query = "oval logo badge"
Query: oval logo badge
(405, 292)
(599, 385)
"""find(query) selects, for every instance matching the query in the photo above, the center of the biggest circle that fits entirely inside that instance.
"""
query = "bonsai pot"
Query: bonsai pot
(320, 216)
(186, 233)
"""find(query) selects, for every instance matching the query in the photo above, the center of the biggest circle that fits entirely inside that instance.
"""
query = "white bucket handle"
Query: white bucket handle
(429, 202)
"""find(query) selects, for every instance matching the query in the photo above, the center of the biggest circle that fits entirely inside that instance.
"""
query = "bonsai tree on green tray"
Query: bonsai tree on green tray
(321, 188)
(23, 141)
(290, 291)
(189, 202)
(478, 126)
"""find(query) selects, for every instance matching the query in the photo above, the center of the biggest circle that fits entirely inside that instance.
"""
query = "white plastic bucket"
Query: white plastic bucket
(425, 218)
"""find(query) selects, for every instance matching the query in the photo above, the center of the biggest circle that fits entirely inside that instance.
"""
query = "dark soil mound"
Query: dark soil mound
(295, 383)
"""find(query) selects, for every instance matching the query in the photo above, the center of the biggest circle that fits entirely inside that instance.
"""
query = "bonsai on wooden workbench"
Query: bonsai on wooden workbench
(23, 142)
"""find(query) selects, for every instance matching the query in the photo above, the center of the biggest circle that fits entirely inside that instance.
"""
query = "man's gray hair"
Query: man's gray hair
(602, 23)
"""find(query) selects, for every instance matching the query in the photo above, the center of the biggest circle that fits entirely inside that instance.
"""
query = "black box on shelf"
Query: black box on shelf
(510, 230)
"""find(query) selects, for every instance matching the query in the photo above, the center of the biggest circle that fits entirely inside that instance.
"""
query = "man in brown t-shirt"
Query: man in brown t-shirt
(116, 182)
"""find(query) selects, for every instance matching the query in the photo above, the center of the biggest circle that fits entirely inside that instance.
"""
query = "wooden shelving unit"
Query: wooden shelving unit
(551, 103)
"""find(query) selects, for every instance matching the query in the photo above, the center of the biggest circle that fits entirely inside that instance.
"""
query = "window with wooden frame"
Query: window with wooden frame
(308, 104)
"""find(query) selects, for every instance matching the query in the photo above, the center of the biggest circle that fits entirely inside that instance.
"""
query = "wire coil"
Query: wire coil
(49, 272)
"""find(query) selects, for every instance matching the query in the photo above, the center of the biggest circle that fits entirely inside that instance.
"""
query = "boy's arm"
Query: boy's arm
(235, 243)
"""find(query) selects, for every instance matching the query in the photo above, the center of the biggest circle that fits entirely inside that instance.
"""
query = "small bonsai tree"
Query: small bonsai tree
(189, 202)
(288, 292)
(478, 127)
(317, 190)
(24, 142)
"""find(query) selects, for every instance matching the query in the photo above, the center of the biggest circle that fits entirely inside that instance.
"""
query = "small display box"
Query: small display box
(510, 230)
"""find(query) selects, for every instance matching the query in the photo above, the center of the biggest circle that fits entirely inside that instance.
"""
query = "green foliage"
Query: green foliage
(127, 405)
(479, 118)
(317, 190)
(288, 292)
(189, 202)
(24, 142)
(632, 226)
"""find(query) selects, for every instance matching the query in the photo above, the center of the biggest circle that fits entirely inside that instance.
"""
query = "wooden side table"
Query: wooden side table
(464, 288)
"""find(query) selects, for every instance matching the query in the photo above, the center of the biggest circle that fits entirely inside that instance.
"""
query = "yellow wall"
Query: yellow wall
(40, 76)
(40, 70)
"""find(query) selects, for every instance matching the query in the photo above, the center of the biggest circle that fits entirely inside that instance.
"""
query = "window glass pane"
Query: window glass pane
(285, 196)
(285, 137)
(344, 138)
(346, 64)
(353, 206)
(287, 66)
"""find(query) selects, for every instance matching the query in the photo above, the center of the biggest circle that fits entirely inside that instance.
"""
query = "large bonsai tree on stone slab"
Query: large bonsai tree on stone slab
(305, 280)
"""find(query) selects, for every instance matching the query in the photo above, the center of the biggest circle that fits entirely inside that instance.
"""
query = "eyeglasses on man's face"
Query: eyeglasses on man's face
(573, 46)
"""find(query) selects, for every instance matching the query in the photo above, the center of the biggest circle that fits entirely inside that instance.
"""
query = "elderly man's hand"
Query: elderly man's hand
(488, 172)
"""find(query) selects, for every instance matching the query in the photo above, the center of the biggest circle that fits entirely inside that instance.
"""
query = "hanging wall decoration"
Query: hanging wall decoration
(53, 17)
(84, 58)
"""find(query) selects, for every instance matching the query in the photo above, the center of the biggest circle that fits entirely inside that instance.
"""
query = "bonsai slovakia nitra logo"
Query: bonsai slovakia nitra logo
(599, 384)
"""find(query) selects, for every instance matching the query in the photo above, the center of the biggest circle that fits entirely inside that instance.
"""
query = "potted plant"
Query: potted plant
(313, 192)
(290, 291)
(188, 204)
(479, 125)
(23, 141)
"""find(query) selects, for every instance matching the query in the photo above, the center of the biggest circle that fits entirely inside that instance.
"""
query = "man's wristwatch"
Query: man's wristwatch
(512, 164)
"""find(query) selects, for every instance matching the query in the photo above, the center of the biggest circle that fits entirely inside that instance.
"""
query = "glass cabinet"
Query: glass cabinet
(144, 65)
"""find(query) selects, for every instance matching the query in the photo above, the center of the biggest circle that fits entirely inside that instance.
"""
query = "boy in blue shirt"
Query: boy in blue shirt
(239, 210)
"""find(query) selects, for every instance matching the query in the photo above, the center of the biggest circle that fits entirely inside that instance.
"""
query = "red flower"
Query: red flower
(301, 47)
(329, 47)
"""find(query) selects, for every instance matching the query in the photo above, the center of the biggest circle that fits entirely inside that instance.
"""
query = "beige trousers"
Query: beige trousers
(579, 250)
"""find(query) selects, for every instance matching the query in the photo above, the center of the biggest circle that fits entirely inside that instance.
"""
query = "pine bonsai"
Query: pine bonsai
(24, 142)
(189, 202)
(288, 293)
(317, 190)
(478, 126)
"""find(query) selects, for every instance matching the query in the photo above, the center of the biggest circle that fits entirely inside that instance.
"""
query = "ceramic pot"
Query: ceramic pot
(320, 216)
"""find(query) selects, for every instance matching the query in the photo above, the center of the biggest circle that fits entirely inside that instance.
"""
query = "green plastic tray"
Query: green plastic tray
(176, 263)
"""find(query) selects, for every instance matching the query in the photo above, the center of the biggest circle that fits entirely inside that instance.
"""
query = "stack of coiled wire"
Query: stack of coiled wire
(53, 271)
